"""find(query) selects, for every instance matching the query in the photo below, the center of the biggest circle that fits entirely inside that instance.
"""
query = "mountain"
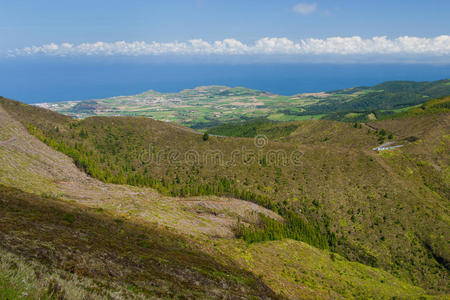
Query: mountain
(439, 105)
(385, 96)
(209, 106)
(324, 215)
(273, 129)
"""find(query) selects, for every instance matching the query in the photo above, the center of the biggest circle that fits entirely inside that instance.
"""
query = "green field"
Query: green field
(209, 106)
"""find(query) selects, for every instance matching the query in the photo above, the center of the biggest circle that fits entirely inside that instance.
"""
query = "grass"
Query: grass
(298, 270)
(22, 278)
(107, 254)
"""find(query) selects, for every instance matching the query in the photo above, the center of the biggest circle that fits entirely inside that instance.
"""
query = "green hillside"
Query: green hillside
(254, 127)
(66, 235)
(69, 267)
(387, 95)
(438, 105)
(384, 209)
(113, 256)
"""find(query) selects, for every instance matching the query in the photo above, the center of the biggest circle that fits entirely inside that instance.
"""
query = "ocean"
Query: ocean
(51, 80)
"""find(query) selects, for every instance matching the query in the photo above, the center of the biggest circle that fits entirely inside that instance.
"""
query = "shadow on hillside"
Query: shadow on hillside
(91, 243)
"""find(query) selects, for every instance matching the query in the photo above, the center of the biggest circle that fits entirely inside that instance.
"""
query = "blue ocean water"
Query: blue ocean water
(51, 80)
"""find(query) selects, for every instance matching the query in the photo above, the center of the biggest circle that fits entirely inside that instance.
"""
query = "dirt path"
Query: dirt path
(369, 126)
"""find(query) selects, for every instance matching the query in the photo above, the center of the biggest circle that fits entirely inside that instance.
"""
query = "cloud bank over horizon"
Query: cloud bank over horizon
(382, 46)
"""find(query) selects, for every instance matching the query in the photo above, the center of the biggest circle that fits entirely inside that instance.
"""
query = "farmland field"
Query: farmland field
(209, 106)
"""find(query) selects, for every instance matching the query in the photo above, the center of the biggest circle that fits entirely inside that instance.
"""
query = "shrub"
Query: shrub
(69, 218)
(412, 139)
(332, 256)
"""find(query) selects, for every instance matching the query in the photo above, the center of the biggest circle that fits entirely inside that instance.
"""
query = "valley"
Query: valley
(220, 150)
(346, 222)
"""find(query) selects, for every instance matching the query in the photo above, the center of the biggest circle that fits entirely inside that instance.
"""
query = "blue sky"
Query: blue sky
(236, 26)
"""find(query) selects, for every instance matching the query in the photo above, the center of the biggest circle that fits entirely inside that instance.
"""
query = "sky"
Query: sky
(236, 31)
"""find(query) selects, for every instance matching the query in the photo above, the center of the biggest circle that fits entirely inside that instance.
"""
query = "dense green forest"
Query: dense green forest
(386, 96)
(439, 105)
(294, 228)
(251, 128)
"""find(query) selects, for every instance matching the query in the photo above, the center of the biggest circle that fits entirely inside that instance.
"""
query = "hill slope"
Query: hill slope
(387, 95)
(101, 256)
(376, 208)
(439, 105)
(59, 242)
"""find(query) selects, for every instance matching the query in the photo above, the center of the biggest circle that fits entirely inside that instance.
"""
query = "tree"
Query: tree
(83, 133)
(205, 136)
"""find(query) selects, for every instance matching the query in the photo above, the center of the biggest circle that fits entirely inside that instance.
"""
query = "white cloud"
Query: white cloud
(305, 8)
(355, 45)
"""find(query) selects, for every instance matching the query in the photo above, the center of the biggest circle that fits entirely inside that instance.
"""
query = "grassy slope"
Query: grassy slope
(383, 214)
(429, 156)
(387, 95)
(115, 253)
(90, 243)
(115, 257)
(49, 172)
(50, 230)
(439, 105)
(299, 271)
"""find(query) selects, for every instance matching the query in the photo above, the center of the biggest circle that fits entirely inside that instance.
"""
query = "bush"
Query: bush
(69, 218)
(412, 139)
